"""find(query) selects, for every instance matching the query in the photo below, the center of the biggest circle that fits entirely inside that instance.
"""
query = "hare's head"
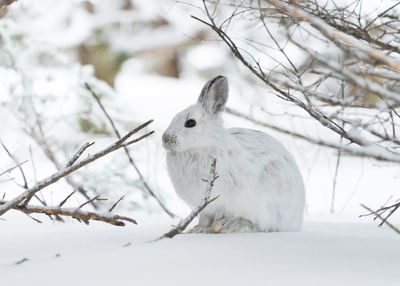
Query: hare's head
(199, 125)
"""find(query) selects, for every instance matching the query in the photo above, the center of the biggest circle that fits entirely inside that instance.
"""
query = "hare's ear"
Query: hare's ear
(214, 94)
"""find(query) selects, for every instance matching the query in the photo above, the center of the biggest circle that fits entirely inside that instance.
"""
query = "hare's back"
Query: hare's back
(260, 144)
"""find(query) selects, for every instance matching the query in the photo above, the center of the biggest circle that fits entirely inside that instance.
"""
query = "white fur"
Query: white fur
(259, 184)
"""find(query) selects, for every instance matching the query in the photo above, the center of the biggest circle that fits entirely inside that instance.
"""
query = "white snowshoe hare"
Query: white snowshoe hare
(260, 187)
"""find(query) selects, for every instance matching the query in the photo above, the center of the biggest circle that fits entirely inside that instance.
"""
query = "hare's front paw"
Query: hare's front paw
(200, 229)
(237, 224)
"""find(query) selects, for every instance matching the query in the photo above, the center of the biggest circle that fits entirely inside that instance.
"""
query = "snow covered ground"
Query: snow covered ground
(324, 253)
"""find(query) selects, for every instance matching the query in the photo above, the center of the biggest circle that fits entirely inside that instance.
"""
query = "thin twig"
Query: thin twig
(96, 198)
(116, 203)
(206, 201)
(21, 261)
(25, 184)
(12, 168)
(66, 199)
(381, 218)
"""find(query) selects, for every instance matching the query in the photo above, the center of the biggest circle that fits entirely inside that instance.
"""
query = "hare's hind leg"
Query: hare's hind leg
(234, 224)
(204, 224)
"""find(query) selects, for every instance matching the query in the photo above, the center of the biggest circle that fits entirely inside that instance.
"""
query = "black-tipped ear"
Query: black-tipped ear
(214, 94)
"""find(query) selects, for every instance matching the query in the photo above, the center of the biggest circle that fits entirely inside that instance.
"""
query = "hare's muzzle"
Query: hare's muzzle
(168, 141)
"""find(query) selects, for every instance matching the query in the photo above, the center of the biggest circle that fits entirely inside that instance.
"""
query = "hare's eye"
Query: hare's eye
(190, 123)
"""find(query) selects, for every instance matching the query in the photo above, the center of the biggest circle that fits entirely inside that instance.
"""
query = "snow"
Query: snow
(324, 253)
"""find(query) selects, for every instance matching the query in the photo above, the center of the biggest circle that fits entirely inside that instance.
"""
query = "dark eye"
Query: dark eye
(190, 123)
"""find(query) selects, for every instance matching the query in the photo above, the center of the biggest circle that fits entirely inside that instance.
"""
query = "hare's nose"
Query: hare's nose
(166, 138)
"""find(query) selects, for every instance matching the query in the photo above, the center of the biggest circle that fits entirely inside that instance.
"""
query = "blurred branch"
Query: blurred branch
(130, 158)
(4, 6)
(68, 170)
(12, 168)
(12, 157)
(5, 3)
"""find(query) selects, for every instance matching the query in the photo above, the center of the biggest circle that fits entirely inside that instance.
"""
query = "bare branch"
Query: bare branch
(96, 198)
(75, 213)
(116, 203)
(68, 170)
(381, 218)
(66, 199)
